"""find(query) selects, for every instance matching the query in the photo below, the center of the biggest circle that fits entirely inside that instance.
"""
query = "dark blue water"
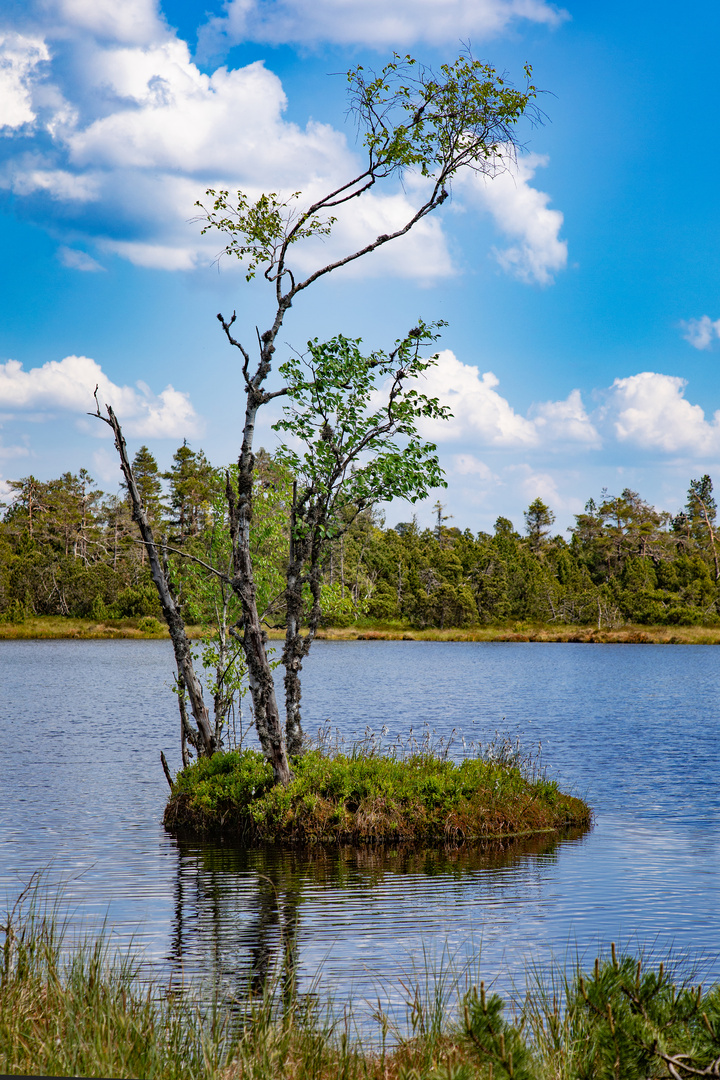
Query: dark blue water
(635, 729)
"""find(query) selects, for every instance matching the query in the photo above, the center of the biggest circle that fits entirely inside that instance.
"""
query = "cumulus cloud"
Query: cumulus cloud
(20, 56)
(136, 22)
(521, 212)
(371, 22)
(536, 484)
(469, 465)
(481, 414)
(478, 410)
(67, 386)
(129, 132)
(565, 421)
(651, 411)
(701, 332)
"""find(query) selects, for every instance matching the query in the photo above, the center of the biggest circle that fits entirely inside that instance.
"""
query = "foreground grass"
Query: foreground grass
(81, 1012)
(366, 796)
(51, 626)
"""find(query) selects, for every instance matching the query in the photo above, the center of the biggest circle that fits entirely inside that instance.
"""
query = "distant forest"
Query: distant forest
(67, 548)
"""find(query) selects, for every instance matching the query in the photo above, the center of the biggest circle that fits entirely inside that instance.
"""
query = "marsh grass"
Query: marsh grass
(51, 627)
(77, 1009)
(56, 626)
(74, 1007)
(375, 791)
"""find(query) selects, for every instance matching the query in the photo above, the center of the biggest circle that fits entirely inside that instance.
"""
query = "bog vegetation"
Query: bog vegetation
(81, 1010)
(370, 793)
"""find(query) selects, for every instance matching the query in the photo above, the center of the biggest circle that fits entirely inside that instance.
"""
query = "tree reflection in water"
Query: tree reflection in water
(238, 913)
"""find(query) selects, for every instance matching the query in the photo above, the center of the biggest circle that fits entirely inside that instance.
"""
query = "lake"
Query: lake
(634, 729)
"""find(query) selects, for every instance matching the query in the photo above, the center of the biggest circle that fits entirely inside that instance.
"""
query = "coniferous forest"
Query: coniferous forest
(69, 549)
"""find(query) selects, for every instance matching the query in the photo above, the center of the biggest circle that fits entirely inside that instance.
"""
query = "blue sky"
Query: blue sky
(581, 291)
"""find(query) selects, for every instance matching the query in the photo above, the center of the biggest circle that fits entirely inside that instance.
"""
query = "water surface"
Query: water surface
(635, 729)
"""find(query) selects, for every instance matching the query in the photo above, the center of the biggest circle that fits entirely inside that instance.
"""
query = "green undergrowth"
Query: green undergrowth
(366, 796)
(80, 1010)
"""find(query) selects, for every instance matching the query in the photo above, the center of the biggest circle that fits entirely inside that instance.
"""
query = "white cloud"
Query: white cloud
(565, 421)
(537, 484)
(27, 175)
(521, 213)
(78, 260)
(376, 23)
(701, 332)
(481, 414)
(8, 452)
(469, 465)
(153, 256)
(133, 21)
(132, 132)
(20, 57)
(651, 410)
(67, 386)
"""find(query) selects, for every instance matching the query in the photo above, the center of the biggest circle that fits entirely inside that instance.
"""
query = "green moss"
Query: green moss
(367, 798)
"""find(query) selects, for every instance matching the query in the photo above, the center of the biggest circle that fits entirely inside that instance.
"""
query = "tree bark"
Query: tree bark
(260, 679)
(171, 611)
(297, 646)
(293, 651)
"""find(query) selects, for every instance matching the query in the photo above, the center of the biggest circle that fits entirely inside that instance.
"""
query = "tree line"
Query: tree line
(69, 549)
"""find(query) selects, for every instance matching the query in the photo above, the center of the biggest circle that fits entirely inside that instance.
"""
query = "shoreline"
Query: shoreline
(46, 628)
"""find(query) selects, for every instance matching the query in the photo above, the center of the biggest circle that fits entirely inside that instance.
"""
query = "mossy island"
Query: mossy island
(371, 798)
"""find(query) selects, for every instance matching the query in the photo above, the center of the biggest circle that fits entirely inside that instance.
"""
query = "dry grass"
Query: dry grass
(51, 626)
(47, 627)
(630, 634)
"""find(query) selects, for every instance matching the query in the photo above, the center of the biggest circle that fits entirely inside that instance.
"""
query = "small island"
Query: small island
(369, 798)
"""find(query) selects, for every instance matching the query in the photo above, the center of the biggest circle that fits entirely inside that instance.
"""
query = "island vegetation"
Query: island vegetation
(374, 793)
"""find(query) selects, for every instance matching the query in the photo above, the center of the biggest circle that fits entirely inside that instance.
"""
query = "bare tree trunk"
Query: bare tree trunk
(254, 639)
(293, 651)
(297, 645)
(711, 531)
(171, 611)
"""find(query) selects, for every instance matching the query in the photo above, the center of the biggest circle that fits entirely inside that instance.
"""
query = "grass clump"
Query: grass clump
(73, 1009)
(368, 795)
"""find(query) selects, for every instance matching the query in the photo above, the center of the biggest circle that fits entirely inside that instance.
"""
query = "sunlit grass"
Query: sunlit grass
(56, 626)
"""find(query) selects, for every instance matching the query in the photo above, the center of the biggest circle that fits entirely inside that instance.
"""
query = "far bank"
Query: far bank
(148, 628)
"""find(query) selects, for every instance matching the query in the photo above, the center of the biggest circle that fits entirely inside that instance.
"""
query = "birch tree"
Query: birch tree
(410, 120)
